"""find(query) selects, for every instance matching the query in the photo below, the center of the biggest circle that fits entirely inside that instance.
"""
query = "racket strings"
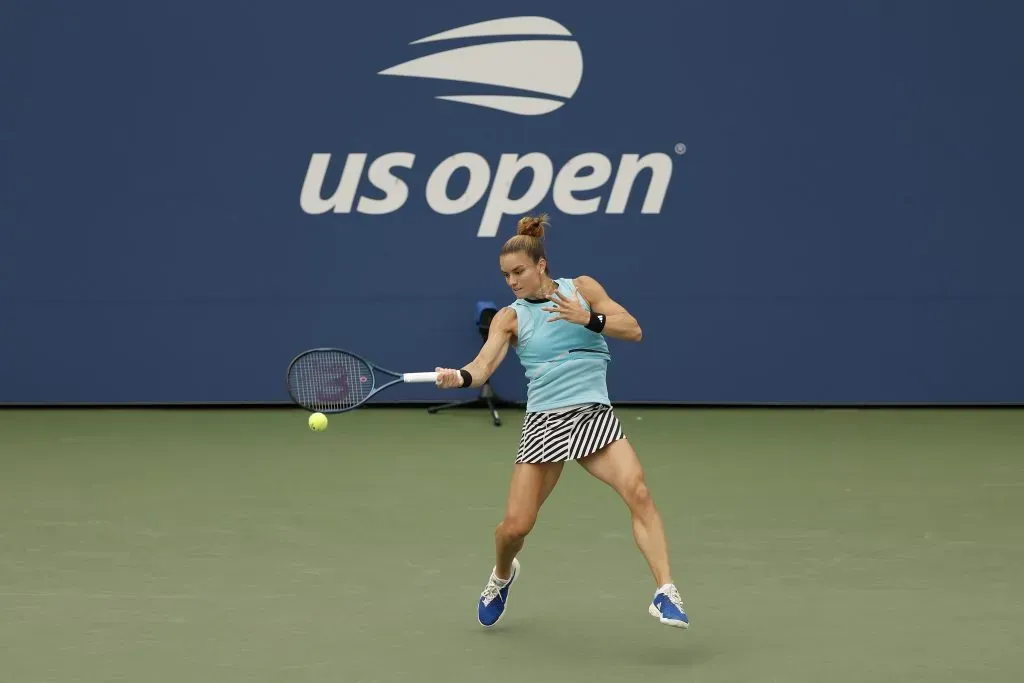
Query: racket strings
(330, 381)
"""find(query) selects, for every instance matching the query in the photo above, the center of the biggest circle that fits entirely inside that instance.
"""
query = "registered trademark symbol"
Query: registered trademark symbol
(680, 148)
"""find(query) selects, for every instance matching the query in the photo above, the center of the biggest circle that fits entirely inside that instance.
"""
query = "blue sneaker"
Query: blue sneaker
(494, 599)
(667, 607)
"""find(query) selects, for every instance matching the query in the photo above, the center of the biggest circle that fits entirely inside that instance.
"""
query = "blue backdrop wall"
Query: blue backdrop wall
(800, 201)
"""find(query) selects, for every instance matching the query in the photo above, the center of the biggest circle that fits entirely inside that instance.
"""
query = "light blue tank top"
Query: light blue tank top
(565, 363)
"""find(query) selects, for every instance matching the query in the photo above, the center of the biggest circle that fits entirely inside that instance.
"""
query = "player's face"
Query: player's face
(523, 275)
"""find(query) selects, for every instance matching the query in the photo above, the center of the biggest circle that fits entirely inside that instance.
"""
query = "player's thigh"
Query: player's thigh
(618, 466)
(552, 472)
(530, 486)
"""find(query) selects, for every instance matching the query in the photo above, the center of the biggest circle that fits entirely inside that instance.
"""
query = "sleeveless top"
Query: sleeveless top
(565, 363)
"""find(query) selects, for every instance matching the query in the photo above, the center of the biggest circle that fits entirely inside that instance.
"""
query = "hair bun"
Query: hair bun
(533, 225)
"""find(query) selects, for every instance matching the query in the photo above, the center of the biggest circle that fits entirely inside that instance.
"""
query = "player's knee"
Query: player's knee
(516, 526)
(637, 495)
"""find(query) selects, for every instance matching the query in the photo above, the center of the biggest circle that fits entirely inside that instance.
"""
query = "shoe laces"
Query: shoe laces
(672, 593)
(492, 590)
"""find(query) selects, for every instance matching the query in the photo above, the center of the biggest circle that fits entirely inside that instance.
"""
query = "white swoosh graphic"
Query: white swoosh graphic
(552, 67)
(513, 104)
(511, 26)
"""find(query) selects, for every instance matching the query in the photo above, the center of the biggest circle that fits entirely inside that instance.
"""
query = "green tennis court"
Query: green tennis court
(236, 545)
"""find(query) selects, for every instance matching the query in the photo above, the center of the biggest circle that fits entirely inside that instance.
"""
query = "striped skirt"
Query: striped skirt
(567, 435)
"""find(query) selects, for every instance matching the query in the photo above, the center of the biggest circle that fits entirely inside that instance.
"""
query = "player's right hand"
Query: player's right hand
(448, 378)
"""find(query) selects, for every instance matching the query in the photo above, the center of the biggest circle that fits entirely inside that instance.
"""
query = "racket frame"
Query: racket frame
(400, 377)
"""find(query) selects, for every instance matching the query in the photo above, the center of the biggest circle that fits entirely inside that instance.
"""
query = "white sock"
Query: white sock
(501, 582)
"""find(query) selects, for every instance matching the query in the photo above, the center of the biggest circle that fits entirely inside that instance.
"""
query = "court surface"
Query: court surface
(237, 545)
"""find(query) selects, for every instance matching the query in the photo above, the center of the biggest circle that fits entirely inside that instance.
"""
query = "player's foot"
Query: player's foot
(667, 607)
(494, 599)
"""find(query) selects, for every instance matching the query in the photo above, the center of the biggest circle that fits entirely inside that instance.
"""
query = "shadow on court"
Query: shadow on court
(563, 639)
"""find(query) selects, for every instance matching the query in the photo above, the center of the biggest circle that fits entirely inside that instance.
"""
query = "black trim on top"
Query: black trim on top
(589, 351)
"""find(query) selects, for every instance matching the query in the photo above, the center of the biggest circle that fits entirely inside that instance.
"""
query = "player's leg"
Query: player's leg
(617, 465)
(530, 486)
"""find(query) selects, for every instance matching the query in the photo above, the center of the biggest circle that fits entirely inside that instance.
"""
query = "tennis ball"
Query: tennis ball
(318, 422)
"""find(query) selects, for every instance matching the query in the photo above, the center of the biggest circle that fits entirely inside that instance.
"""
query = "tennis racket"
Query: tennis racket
(335, 381)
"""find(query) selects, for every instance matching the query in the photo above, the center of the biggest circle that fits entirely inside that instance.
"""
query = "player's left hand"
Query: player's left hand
(565, 308)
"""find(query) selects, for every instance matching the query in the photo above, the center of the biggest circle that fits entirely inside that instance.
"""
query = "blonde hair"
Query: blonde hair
(529, 238)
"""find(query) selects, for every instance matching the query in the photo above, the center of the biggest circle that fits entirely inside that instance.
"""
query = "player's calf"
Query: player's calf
(509, 537)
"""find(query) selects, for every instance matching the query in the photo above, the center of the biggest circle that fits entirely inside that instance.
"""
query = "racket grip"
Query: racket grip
(419, 377)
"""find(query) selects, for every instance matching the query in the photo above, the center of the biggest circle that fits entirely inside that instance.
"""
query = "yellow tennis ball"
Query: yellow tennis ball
(318, 422)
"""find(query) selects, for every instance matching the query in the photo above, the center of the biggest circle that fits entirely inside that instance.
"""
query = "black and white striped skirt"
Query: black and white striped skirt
(567, 435)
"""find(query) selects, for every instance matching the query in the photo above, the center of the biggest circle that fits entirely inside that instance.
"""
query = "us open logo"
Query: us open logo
(548, 64)
(543, 60)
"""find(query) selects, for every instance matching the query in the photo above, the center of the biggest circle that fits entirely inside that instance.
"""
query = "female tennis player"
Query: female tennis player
(558, 328)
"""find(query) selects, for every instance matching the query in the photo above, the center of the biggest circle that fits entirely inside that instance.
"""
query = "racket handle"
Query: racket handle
(419, 377)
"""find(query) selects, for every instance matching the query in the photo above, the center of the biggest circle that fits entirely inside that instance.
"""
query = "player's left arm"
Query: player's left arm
(619, 323)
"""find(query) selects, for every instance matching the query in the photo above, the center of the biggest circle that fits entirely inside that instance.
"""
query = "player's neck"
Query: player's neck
(546, 290)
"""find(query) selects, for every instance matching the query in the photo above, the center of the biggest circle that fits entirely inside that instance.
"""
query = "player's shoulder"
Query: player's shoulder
(505, 317)
(586, 283)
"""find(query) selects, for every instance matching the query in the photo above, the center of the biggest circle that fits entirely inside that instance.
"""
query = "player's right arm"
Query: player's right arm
(503, 329)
